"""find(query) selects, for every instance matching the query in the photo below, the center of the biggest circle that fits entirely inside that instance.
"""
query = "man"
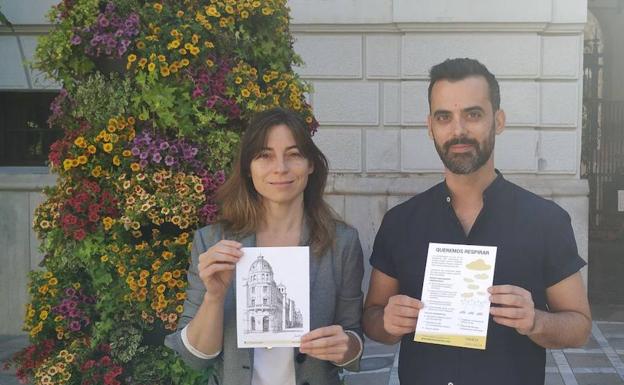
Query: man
(538, 298)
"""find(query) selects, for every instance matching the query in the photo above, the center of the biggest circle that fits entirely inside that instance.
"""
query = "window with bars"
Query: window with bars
(25, 137)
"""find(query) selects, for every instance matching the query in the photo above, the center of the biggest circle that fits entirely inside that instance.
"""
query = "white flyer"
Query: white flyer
(456, 302)
(272, 296)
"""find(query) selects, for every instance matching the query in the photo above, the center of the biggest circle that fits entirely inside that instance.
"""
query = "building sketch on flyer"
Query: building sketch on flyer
(272, 296)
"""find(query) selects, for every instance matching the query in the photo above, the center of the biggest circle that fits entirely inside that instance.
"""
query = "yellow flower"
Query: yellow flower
(238, 80)
(43, 315)
(44, 224)
(267, 11)
(108, 147)
(244, 14)
(82, 159)
(180, 13)
(104, 258)
(67, 164)
(164, 71)
(76, 285)
(212, 11)
(142, 62)
(182, 51)
(161, 58)
(209, 63)
(151, 67)
(179, 308)
(126, 153)
(173, 45)
(53, 281)
(91, 149)
(255, 4)
(194, 51)
(184, 62)
(116, 160)
(158, 7)
(132, 58)
(194, 38)
(135, 167)
(96, 172)
(48, 275)
(208, 44)
(160, 289)
(80, 142)
(245, 92)
(140, 45)
(166, 277)
(167, 255)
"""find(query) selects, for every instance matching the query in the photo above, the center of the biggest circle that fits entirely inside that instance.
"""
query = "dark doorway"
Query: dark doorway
(602, 164)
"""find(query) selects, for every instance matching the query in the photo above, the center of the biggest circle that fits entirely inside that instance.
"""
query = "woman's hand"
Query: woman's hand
(216, 267)
(329, 343)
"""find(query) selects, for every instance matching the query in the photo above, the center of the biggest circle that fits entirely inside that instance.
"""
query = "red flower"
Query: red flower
(105, 361)
(79, 234)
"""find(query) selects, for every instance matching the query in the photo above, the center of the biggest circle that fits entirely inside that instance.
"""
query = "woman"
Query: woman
(274, 198)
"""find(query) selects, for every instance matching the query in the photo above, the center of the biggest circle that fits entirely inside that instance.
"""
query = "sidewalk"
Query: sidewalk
(600, 362)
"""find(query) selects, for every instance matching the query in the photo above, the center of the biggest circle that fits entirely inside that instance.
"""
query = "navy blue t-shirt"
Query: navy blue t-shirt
(536, 249)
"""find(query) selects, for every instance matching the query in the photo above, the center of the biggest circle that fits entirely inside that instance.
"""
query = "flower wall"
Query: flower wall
(155, 96)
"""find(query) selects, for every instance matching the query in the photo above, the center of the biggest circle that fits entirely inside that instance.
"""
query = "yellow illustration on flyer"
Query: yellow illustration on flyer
(473, 342)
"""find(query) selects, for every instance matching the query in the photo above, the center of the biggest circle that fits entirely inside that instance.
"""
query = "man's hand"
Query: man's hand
(516, 309)
(400, 315)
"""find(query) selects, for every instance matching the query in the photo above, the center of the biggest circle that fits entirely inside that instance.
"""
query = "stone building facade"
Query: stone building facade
(368, 63)
(268, 307)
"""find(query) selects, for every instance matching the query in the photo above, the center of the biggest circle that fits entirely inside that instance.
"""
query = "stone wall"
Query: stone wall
(368, 62)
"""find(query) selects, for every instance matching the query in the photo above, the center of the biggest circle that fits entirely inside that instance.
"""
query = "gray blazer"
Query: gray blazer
(335, 298)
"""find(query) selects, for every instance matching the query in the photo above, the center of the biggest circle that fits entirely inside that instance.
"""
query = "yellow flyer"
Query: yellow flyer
(457, 305)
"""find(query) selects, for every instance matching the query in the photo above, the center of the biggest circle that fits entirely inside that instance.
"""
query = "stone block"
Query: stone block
(337, 202)
(13, 75)
(414, 103)
(516, 151)
(391, 104)
(346, 103)
(560, 103)
(329, 55)
(519, 100)
(561, 56)
(558, 151)
(365, 214)
(382, 150)
(340, 11)
(569, 11)
(508, 55)
(383, 55)
(460, 11)
(418, 152)
(342, 147)
(15, 258)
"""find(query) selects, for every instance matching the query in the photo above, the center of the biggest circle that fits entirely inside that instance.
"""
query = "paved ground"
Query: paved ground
(600, 362)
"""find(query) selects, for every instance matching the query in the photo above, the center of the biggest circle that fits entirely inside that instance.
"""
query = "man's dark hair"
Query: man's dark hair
(461, 68)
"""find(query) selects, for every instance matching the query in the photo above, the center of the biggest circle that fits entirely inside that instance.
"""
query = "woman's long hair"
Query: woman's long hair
(241, 208)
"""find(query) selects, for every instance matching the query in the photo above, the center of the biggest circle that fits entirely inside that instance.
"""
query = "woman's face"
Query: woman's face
(280, 171)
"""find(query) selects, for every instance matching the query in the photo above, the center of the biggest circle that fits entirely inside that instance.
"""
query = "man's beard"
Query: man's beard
(466, 162)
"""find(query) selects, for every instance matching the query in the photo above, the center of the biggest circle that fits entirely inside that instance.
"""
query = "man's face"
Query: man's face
(462, 123)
